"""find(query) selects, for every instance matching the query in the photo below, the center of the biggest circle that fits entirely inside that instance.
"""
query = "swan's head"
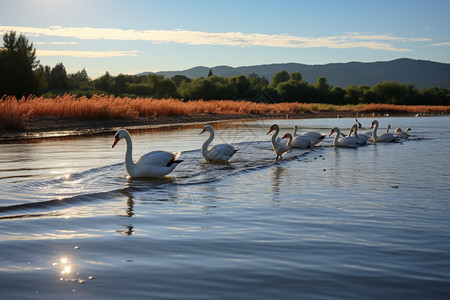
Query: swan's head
(374, 123)
(407, 129)
(120, 134)
(287, 135)
(359, 124)
(273, 127)
(207, 128)
(388, 127)
(335, 129)
(397, 130)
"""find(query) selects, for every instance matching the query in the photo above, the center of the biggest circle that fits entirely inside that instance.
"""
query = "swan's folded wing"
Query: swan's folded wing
(301, 141)
(282, 148)
(221, 152)
(225, 149)
(158, 158)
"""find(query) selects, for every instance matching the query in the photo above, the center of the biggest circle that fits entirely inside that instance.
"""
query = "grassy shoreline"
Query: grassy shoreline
(35, 116)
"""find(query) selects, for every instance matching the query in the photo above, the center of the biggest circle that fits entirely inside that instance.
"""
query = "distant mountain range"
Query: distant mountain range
(420, 73)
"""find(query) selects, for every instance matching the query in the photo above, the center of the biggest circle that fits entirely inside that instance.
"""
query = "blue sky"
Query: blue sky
(134, 36)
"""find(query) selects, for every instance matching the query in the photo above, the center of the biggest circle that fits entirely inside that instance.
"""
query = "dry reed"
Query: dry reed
(14, 113)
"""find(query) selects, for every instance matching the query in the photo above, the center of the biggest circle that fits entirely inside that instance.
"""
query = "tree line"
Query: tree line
(22, 75)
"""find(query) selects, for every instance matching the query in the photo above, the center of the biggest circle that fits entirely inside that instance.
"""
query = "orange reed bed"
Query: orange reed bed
(14, 113)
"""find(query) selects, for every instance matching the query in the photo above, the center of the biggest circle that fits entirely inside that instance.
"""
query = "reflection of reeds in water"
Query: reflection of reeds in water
(14, 113)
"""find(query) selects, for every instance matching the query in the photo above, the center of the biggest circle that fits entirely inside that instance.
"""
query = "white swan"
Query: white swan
(316, 137)
(387, 128)
(152, 164)
(361, 137)
(401, 134)
(279, 147)
(384, 138)
(301, 141)
(220, 152)
(348, 141)
(351, 129)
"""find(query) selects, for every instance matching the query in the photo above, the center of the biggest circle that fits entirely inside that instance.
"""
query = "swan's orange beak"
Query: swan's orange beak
(284, 136)
(115, 142)
(332, 131)
(202, 131)
(371, 126)
(270, 130)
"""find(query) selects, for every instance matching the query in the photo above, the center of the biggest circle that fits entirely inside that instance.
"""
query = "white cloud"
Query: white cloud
(441, 44)
(86, 54)
(64, 43)
(56, 43)
(384, 37)
(188, 37)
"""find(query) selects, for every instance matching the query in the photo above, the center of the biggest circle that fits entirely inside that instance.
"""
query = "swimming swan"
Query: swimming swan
(152, 164)
(220, 152)
(348, 141)
(300, 141)
(384, 138)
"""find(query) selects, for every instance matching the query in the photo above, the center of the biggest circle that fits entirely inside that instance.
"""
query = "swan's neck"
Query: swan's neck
(207, 142)
(274, 137)
(336, 137)
(129, 163)
(294, 132)
(290, 137)
(374, 132)
(355, 133)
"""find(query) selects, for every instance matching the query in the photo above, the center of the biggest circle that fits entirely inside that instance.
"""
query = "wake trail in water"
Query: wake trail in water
(111, 181)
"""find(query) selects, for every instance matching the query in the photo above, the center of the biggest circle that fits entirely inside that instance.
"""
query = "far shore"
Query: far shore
(53, 127)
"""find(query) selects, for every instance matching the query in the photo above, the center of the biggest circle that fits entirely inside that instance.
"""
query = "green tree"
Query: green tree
(323, 89)
(257, 82)
(78, 79)
(17, 65)
(104, 83)
(242, 85)
(279, 77)
(41, 78)
(353, 94)
(337, 95)
(58, 78)
(435, 96)
(165, 88)
(180, 78)
(296, 76)
(199, 88)
(140, 89)
(292, 91)
(393, 92)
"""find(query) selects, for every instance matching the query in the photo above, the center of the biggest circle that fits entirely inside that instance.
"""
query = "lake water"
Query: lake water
(325, 223)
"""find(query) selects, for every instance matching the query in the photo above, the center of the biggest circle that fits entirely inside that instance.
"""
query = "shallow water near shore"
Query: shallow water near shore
(324, 223)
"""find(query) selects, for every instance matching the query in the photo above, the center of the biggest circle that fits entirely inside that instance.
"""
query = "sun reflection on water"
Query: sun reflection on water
(66, 267)
(67, 272)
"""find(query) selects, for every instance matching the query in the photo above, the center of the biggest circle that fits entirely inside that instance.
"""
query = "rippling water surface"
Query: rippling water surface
(325, 223)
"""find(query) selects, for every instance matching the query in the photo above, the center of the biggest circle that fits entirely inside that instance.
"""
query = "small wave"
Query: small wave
(111, 180)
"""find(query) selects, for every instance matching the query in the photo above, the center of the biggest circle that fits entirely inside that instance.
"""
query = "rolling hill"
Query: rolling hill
(420, 73)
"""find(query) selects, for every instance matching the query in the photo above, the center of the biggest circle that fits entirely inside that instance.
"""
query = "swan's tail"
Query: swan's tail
(319, 140)
(174, 161)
